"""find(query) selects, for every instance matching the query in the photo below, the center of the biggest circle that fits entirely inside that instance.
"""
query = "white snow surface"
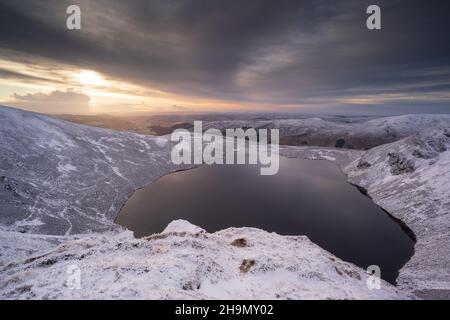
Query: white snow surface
(61, 185)
(186, 265)
(182, 226)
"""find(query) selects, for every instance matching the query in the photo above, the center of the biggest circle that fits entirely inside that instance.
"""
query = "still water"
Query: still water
(306, 197)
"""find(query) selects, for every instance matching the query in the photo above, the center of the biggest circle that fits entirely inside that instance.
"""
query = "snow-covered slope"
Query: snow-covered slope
(358, 135)
(410, 178)
(187, 263)
(57, 177)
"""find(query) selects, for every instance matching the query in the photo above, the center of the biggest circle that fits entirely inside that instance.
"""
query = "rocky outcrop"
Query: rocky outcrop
(399, 164)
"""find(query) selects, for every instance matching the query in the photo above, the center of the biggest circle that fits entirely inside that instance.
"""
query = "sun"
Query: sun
(88, 77)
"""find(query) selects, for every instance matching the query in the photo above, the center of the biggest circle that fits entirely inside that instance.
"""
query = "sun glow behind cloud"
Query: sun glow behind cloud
(106, 94)
(88, 77)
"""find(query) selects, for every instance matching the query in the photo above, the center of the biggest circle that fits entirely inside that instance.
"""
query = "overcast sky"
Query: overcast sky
(182, 55)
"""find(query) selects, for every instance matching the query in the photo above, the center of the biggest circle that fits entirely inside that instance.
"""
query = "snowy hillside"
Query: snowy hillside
(327, 133)
(57, 177)
(411, 179)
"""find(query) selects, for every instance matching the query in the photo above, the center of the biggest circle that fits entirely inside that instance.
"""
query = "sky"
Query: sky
(225, 55)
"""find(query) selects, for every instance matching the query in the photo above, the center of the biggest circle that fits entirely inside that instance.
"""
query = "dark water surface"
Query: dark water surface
(306, 197)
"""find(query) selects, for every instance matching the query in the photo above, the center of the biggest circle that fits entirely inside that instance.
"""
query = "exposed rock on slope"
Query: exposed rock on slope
(399, 164)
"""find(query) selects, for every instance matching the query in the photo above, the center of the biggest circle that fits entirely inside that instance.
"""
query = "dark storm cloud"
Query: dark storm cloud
(281, 52)
(17, 75)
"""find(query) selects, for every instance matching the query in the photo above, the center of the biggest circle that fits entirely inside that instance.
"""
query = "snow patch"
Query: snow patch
(66, 168)
(182, 226)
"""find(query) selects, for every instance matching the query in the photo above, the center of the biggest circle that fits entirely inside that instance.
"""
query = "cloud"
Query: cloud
(177, 107)
(56, 101)
(54, 96)
(8, 74)
(277, 52)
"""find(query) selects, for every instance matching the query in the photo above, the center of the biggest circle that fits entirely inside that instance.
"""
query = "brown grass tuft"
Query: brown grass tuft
(240, 242)
(246, 265)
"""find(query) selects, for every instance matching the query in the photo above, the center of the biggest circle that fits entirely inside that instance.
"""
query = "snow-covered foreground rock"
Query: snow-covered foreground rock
(62, 184)
(242, 263)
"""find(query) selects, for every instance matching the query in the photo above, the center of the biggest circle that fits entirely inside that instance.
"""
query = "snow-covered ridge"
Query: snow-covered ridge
(243, 263)
(357, 135)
